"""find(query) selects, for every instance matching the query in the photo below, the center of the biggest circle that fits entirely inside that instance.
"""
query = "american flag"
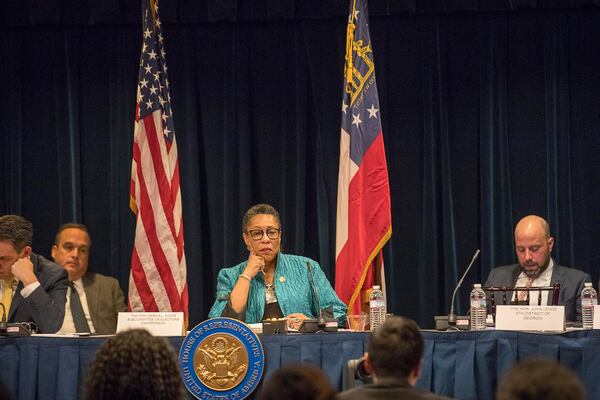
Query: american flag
(364, 222)
(158, 269)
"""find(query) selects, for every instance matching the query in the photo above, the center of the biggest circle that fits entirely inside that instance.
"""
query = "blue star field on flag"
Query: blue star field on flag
(153, 80)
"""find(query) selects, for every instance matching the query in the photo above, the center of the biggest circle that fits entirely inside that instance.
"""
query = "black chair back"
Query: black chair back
(507, 294)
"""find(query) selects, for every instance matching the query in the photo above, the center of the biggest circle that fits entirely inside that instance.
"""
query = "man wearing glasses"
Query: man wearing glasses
(271, 284)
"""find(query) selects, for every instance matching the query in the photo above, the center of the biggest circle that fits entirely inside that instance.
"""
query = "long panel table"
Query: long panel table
(464, 365)
(469, 365)
(55, 367)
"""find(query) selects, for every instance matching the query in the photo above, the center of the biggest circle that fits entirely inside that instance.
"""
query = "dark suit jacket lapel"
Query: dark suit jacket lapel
(508, 280)
(515, 275)
(558, 276)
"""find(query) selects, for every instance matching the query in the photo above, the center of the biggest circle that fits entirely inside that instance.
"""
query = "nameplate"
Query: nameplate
(530, 318)
(596, 324)
(157, 323)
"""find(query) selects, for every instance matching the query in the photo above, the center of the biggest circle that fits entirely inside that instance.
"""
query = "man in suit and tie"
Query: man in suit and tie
(533, 245)
(93, 300)
(32, 289)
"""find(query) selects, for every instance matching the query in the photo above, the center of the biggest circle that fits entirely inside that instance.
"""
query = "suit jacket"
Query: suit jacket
(105, 300)
(45, 306)
(571, 284)
(388, 389)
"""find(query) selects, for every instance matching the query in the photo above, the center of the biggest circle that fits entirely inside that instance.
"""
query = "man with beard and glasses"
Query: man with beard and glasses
(533, 245)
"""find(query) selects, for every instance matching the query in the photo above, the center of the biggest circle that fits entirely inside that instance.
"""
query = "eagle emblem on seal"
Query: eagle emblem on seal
(221, 362)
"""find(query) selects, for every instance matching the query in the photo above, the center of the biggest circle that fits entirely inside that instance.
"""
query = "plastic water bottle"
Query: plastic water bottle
(589, 298)
(478, 308)
(377, 307)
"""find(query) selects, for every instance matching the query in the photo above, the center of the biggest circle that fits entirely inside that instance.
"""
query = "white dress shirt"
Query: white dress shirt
(543, 279)
(68, 325)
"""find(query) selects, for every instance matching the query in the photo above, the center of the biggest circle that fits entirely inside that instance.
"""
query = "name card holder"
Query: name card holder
(530, 318)
(157, 323)
(596, 324)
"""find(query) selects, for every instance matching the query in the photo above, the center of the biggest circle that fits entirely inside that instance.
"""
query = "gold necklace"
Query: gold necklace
(268, 279)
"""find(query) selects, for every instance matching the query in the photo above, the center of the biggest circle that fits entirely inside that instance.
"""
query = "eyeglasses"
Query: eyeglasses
(257, 234)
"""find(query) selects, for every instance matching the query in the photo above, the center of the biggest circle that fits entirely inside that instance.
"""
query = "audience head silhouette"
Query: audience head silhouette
(538, 378)
(298, 382)
(396, 348)
(134, 365)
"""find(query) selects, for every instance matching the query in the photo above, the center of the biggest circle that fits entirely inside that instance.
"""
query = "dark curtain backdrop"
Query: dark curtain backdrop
(490, 111)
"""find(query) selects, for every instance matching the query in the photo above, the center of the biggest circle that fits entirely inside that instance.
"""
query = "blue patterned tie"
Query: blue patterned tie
(81, 325)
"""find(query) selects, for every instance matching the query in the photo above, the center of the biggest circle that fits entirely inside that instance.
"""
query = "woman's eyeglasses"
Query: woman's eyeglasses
(257, 234)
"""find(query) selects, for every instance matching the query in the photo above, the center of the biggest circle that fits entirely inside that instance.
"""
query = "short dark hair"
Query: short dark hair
(71, 225)
(539, 378)
(16, 230)
(259, 209)
(396, 347)
(298, 382)
(134, 365)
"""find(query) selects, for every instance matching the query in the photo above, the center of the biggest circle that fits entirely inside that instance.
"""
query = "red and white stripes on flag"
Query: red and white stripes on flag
(364, 222)
(158, 268)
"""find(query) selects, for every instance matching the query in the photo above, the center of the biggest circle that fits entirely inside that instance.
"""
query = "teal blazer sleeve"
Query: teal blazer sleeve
(328, 296)
(226, 280)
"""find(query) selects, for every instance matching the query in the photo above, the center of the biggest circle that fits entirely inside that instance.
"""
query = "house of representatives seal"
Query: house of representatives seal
(221, 358)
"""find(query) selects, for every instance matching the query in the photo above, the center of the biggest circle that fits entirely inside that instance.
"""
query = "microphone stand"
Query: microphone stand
(320, 318)
(452, 315)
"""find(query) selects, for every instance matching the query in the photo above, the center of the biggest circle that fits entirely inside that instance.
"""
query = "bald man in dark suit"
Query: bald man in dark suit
(533, 245)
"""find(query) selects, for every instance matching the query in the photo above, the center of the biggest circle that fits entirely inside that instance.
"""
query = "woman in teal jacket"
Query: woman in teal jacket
(271, 284)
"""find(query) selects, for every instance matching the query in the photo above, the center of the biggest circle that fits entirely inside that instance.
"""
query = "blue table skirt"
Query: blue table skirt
(55, 367)
(469, 365)
(464, 365)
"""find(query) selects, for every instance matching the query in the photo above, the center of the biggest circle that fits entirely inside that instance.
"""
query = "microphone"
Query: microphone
(452, 315)
(320, 317)
(13, 329)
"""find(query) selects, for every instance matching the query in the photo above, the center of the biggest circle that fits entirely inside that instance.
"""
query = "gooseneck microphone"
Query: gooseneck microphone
(452, 315)
(320, 317)
(13, 329)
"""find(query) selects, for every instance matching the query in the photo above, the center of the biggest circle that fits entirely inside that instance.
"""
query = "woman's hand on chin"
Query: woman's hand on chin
(255, 265)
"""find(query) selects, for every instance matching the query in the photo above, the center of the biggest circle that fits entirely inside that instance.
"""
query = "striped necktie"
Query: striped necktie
(81, 325)
(523, 293)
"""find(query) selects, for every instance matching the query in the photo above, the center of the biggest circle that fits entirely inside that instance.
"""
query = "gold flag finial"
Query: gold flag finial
(153, 9)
